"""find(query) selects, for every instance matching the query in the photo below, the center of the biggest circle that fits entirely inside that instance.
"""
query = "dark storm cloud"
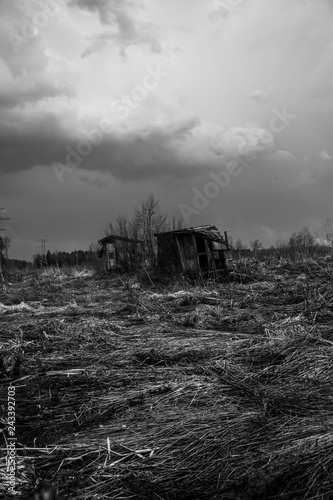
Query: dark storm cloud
(28, 141)
(126, 31)
(181, 148)
(42, 140)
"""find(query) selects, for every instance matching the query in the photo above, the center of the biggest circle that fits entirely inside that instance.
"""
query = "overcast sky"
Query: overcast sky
(222, 109)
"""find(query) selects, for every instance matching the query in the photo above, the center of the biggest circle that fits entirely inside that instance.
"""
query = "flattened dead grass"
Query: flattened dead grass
(126, 393)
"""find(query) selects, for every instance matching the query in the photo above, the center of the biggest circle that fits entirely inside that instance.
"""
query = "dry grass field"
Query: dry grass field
(127, 390)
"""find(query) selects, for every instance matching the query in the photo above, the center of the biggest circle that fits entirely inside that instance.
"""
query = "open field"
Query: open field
(192, 391)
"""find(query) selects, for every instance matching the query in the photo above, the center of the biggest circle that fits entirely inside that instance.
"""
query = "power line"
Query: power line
(20, 245)
(18, 249)
(24, 248)
(32, 246)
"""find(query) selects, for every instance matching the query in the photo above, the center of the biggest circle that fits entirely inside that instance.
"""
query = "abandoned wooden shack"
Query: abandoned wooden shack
(120, 253)
(200, 249)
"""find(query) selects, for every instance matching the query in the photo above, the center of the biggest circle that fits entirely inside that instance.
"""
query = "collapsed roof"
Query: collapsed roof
(208, 232)
(111, 238)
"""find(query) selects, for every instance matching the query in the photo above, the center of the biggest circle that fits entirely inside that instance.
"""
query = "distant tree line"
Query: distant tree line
(17, 265)
(299, 244)
(147, 220)
(67, 259)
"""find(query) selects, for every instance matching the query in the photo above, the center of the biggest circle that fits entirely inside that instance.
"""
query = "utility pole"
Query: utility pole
(2, 218)
(6, 240)
(43, 260)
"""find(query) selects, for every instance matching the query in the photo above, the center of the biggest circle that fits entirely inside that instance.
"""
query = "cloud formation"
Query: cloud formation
(178, 146)
(213, 99)
(125, 31)
(282, 156)
(325, 156)
(30, 90)
(263, 95)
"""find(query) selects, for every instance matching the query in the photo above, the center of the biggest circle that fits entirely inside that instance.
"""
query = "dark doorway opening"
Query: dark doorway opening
(201, 247)
(202, 253)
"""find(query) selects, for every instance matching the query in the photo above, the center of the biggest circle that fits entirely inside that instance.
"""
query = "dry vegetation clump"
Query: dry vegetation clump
(125, 391)
(248, 270)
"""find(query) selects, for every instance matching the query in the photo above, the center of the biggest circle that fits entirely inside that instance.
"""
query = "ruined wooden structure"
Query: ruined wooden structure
(120, 253)
(200, 249)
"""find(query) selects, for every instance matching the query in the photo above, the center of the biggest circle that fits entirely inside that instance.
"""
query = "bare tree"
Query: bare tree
(127, 249)
(328, 233)
(4, 245)
(281, 244)
(147, 220)
(124, 227)
(256, 245)
(239, 245)
(301, 241)
(150, 220)
(177, 222)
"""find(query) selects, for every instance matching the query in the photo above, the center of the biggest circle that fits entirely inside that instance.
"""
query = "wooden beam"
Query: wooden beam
(226, 239)
(196, 252)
